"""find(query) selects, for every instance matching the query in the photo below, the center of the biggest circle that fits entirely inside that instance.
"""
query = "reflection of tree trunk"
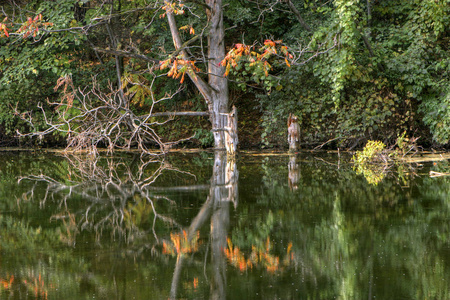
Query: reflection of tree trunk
(294, 173)
(223, 190)
(219, 231)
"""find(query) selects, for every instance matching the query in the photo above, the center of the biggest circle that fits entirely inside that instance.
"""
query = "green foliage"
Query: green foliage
(31, 66)
(402, 142)
(378, 74)
(437, 116)
(205, 137)
(372, 152)
(350, 93)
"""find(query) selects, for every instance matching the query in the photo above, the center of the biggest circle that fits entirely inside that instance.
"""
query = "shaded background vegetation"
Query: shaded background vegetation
(388, 73)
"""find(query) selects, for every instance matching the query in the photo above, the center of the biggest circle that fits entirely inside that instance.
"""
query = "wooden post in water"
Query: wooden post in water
(293, 133)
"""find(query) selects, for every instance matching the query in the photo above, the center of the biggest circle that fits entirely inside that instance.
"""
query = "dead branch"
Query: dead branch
(438, 174)
(91, 117)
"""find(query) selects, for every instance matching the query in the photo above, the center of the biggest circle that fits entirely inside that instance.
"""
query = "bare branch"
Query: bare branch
(298, 16)
(91, 117)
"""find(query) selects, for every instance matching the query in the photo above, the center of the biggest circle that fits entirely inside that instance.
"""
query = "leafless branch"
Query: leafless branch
(90, 118)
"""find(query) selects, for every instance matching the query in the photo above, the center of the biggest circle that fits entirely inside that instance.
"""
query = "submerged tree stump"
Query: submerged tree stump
(293, 133)
(231, 136)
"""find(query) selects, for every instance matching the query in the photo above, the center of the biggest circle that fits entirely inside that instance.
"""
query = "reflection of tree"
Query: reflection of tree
(223, 190)
(116, 195)
(113, 199)
(357, 240)
(106, 195)
(339, 238)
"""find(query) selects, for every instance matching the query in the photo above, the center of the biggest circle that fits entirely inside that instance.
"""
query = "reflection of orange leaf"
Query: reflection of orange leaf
(236, 258)
(267, 244)
(7, 283)
(181, 244)
(38, 286)
(257, 257)
(195, 282)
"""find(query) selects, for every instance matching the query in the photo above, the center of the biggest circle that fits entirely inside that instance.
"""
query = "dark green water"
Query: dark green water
(196, 227)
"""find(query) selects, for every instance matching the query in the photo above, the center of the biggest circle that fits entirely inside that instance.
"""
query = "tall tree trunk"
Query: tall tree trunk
(215, 92)
(216, 79)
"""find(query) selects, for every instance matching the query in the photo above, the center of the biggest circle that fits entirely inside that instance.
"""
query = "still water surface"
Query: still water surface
(194, 226)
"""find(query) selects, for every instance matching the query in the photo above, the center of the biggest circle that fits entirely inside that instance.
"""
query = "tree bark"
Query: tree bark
(216, 79)
(231, 136)
(215, 92)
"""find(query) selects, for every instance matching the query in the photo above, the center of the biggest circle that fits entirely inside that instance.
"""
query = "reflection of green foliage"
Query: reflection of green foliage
(246, 238)
(17, 234)
(373, 173)
(137, 213)
(343, 224)
(366, 162)
(349, 238)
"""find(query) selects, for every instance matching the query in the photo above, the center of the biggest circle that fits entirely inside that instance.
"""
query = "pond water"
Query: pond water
(194, 226)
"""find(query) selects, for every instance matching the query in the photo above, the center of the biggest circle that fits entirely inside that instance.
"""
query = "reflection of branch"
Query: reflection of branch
(110, 196)
(199, 220)
(438, 174)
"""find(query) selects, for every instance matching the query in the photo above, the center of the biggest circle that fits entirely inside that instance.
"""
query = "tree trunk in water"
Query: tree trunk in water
(215, 92)
(216, 79)
(231, 136)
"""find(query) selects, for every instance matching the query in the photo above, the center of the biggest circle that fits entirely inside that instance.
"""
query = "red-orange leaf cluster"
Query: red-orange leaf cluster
(178, 67)
(32, 25)
(172, 7)
(4, 29)
(244, 51)
(188, 27)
